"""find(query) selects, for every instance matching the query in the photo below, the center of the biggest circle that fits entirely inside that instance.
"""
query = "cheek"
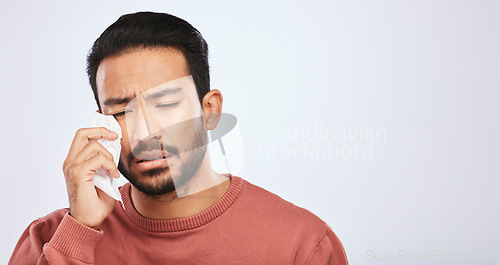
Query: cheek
(125, 143)
(188, 119)
(178, 122)
(125, 150)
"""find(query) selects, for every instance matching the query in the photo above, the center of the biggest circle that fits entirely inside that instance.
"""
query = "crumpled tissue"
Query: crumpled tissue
(102, 179)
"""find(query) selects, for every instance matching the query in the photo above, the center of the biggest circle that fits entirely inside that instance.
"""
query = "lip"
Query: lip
(145, 165)
(149, 154)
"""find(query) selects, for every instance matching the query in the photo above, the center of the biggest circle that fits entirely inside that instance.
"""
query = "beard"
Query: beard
(160, 181)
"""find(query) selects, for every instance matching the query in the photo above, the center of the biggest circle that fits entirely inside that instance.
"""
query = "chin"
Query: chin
(159, 185)
(157, 181)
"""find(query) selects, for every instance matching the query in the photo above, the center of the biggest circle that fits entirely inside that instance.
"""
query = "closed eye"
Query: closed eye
(120, 114)
(167, 106)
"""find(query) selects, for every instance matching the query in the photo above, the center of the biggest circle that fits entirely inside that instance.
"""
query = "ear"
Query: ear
(212, 108)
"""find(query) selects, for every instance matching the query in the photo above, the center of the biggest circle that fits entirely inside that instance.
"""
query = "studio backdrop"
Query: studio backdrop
(380, 117)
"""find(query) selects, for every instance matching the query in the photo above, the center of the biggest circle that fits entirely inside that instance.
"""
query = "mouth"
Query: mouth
(152, 159)
(151, 156)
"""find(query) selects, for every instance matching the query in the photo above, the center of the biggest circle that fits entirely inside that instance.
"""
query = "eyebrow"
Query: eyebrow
(116, 101)
(159, 94)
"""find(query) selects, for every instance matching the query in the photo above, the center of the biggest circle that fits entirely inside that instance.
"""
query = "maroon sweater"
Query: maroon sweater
(248, 225)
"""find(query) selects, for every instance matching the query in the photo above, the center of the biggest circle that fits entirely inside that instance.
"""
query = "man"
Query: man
(150, 71)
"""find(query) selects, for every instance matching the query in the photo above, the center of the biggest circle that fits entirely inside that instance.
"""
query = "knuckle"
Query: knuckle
(79, 132)
(68, 166)
(65, 169)
(64, 165)
(74, 170)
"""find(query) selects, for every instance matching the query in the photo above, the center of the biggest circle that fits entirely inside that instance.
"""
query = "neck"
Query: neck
(204, 189)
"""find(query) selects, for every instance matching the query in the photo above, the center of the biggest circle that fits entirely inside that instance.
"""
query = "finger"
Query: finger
(87, 169)
(90, 150)
(84, 135)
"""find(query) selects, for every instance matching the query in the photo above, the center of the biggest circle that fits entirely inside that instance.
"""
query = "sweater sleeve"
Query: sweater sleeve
(329, 251)
(71, 243)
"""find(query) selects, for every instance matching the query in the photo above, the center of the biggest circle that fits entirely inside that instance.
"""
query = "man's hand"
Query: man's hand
(88, 204)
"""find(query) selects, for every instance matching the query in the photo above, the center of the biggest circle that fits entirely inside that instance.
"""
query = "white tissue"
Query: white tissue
(102, 179)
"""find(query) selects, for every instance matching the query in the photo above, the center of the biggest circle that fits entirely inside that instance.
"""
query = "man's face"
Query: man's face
(153, 97)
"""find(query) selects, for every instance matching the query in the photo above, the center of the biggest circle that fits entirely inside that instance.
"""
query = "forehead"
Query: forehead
(130, 73)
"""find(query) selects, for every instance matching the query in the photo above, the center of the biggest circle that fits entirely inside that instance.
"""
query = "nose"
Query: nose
(140, 125)
(138, 128)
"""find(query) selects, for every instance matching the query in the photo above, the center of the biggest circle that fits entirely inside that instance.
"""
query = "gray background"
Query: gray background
(422, 74)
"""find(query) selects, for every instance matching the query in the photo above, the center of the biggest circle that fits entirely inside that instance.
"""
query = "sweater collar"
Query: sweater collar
(185, 223)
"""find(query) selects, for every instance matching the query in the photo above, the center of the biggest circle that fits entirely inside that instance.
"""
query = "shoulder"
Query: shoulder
(295, 226)
(280, 214)
(267, 202)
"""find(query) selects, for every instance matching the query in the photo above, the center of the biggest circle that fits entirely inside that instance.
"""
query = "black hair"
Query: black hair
(152, 30)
